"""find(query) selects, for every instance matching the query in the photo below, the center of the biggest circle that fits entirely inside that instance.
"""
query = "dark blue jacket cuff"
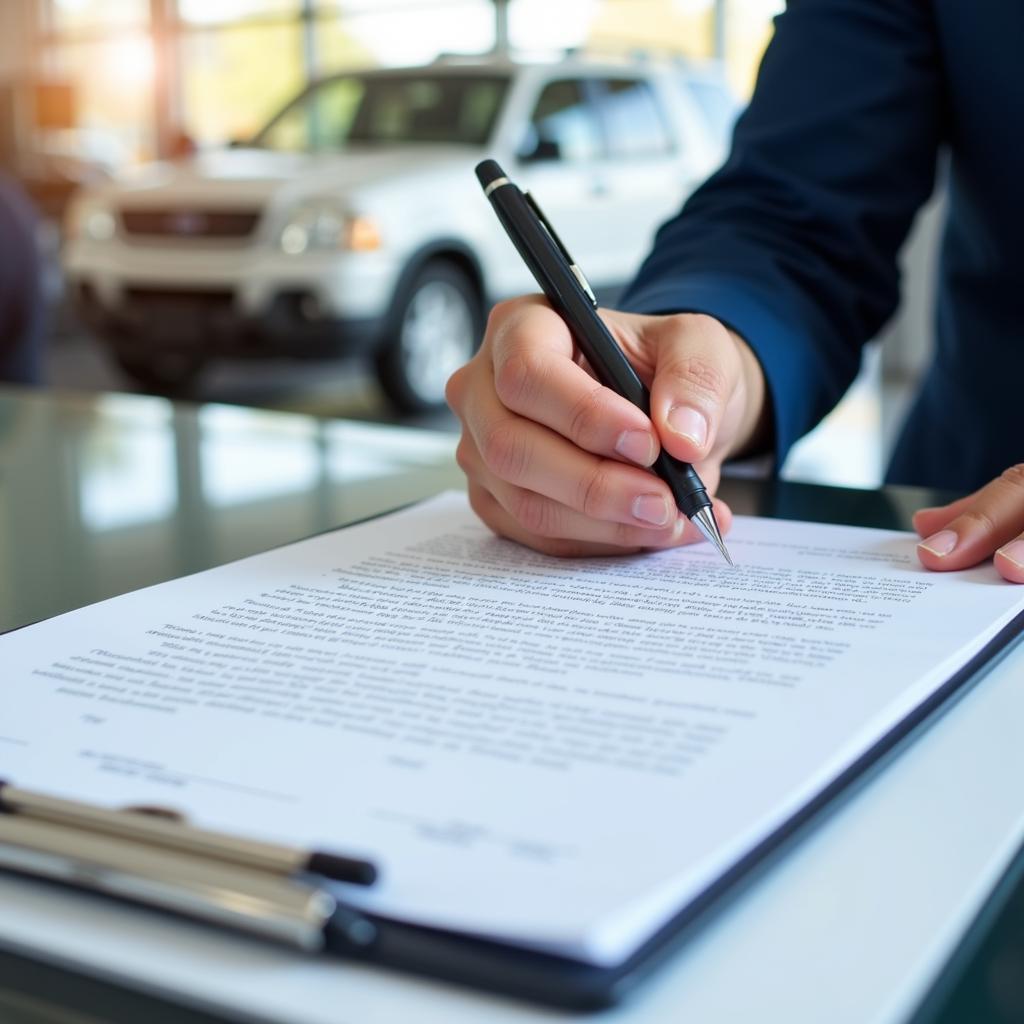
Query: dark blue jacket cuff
(793, 364)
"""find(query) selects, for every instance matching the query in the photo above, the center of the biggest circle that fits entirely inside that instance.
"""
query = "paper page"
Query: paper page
(556, 753)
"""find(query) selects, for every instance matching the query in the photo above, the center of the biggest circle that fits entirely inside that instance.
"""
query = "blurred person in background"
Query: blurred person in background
(21, 297)
(748, 317)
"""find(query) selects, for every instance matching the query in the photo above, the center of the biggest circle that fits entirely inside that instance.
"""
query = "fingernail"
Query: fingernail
(940, 543)
(683, 419)
(651, 508)
(637, 446)
(1014, 551)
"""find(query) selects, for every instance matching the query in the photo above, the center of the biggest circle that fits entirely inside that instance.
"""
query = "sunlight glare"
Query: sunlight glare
(131, 61)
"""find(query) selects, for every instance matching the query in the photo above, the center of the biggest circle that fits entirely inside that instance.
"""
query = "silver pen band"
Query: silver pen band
(497, 183)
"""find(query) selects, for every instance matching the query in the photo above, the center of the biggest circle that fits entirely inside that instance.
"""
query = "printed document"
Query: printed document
(561, 754)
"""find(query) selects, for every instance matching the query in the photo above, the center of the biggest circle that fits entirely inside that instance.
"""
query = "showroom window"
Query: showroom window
(104, 50)
(145, 73)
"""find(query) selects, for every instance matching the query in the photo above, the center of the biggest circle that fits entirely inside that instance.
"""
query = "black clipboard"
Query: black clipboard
(574, 985)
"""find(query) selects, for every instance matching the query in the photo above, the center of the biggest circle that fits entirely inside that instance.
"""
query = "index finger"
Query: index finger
(981, 524)
(536, 376)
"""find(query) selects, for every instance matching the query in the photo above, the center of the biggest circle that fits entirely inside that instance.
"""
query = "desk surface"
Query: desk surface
(103, 494)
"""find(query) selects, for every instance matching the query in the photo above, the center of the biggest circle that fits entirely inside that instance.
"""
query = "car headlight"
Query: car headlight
(324, 226)
(91, 219)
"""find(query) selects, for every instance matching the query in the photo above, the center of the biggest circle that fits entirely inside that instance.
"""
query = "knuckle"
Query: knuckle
(980, 517)
(506, 308)
(594, 492)
(465, 456)
(455, 388)
(502, 315)
(504, 451)
(586, 418)
(698, 374)
(1014, 476)
(516, 379)
(499, 312)
(535, 513)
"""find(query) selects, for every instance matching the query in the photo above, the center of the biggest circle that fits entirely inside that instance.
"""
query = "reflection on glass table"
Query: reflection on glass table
(103, 494)
(107, 493)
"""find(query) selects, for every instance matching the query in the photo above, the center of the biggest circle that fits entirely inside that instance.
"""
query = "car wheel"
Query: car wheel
(437, 324)
(167, 371)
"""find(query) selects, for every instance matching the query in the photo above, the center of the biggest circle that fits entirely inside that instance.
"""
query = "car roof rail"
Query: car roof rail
(485, 57)
(632, 55)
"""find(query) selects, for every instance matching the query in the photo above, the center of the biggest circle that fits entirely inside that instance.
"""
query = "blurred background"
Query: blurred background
(270, 202)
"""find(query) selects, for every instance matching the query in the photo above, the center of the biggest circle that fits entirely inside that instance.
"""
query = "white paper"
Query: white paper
(556, 753)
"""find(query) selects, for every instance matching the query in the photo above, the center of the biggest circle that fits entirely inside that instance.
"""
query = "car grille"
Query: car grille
(214, 298)
(190, 223)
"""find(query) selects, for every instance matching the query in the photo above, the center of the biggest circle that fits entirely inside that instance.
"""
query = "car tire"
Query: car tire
(435, 327)
(167, 371)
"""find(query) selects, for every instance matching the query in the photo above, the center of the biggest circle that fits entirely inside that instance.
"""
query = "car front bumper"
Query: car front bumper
(231, 301)
(290, 325)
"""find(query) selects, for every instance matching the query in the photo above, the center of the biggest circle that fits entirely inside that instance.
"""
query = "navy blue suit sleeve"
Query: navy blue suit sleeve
(793, 243)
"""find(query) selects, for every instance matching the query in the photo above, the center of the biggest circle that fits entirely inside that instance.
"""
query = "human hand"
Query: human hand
(556, 461)
(984, 524)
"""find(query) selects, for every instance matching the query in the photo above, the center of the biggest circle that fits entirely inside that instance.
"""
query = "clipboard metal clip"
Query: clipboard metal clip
(158, 860)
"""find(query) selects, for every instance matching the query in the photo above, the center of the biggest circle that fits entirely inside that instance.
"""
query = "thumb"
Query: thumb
(696, 372)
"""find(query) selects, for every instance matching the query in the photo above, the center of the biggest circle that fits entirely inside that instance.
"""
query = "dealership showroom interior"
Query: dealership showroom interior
(498, 521)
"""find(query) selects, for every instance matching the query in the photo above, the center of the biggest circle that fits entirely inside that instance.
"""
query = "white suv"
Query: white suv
(353, 223)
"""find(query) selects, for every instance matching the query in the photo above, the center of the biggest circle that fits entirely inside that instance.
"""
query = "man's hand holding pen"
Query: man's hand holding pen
(564, 408)
(559, 462)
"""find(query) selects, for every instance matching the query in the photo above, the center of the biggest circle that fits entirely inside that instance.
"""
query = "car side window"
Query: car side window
(563, 125)
(716, 103)
(632, 118)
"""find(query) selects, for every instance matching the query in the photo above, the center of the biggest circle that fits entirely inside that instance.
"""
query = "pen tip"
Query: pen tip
(704, 520)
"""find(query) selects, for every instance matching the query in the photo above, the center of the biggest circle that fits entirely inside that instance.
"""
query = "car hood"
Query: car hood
(256, 177)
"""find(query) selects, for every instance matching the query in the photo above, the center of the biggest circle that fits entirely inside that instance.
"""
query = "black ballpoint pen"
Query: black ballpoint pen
(570, 295)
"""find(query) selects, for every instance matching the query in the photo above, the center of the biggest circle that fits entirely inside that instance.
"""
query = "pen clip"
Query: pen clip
(560, 245)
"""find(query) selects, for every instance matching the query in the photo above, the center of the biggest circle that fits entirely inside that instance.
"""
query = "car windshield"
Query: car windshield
(382, 109)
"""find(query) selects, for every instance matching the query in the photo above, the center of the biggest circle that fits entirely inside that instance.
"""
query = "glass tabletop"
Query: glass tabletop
(102, 494)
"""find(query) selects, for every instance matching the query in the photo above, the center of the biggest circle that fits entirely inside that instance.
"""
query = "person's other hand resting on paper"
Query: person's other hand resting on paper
(986, 524)
(794, 244)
